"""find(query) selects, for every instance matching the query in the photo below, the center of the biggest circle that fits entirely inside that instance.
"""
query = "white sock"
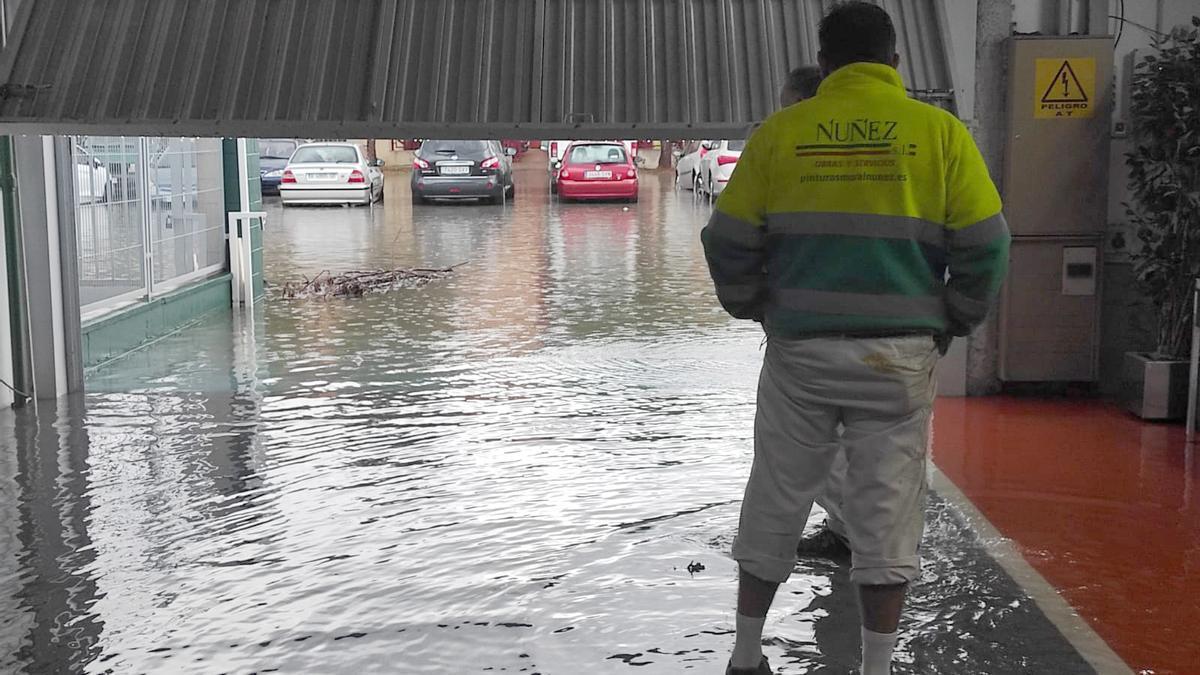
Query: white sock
(747, 650)
(877, 652)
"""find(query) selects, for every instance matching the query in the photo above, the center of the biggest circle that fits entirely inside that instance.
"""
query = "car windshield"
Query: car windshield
(276, 149)
(325, 154)
(737, 146)
(597, 154)
(460, 149)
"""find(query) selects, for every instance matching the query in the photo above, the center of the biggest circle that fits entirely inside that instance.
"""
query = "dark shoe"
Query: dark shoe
(824, 543)
(763, 668)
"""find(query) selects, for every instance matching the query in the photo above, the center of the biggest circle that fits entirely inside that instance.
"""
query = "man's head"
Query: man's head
(801, 83)
(856, 32)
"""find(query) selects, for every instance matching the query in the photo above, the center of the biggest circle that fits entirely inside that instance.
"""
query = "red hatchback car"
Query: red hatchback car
(597, 170)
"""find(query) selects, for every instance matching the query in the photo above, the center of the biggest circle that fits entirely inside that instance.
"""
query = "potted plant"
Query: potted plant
(1164, 181)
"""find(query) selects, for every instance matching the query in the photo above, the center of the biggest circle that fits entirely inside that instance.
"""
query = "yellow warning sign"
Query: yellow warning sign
(1064, 88)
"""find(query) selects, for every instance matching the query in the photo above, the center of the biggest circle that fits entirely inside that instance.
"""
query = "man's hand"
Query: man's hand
(943, 340)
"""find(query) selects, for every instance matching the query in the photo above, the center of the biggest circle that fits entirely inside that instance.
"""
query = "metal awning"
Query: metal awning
(424, 68)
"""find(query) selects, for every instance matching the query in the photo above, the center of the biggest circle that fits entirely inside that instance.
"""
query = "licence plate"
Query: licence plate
(597, 174)
(455, 170)
(322, 176)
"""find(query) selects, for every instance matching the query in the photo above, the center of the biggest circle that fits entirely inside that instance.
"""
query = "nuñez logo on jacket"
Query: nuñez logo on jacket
(859, 145)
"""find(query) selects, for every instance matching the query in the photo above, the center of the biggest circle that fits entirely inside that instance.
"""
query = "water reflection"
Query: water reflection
(509, 471)
(50, 619)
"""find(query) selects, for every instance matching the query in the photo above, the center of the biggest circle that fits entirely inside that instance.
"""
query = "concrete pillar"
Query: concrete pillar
(991, 134)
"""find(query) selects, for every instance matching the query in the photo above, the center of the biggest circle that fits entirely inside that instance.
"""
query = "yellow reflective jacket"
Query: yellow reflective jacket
(847, 211)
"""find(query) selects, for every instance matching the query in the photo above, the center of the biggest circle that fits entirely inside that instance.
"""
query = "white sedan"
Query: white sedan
(331, 173)
(687, 167)
(717, 166)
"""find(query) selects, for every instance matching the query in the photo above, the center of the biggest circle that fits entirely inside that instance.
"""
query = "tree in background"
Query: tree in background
(667, 158)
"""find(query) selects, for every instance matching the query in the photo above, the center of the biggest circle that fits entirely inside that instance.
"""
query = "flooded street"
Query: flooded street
(510, 470)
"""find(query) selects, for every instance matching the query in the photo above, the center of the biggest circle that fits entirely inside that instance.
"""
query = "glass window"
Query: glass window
(109, 220)
(149, 215)
(325, 154)
(276, 149)
(598, 154)
(462, 149)
(187, 207)
(737, 146)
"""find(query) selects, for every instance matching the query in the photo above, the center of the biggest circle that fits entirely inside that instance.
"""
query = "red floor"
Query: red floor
(1103, 506)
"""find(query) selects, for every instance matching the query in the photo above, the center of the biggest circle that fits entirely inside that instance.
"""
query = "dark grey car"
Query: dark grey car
(462, 170)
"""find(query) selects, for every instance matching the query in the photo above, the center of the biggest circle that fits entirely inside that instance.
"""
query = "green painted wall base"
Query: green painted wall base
(115, 335)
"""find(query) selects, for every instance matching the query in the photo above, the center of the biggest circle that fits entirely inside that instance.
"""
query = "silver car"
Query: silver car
(330, 173)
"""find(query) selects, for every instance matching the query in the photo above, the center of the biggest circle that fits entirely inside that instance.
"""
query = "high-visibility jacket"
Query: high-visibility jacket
(847, 210)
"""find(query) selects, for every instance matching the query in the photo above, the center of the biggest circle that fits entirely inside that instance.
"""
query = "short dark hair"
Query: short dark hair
(857, 31)
(804, 80)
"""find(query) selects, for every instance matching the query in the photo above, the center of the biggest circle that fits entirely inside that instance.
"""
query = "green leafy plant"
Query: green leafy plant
(1164, 179)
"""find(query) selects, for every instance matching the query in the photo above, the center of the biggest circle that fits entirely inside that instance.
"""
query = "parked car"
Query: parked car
(597, 170)
(687, 167)
(273, 156)
(463, 170)
(717, 166)
(331, 173)
(557, 149)
(91, 178)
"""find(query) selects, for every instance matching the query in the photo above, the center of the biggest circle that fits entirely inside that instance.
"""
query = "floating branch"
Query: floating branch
(355, 284)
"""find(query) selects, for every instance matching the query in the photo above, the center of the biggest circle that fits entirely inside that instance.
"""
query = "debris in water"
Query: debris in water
(356, 284)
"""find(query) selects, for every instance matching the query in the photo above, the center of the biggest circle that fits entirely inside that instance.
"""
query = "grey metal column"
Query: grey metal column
(42, 268)
(68, 251)
(39, 323)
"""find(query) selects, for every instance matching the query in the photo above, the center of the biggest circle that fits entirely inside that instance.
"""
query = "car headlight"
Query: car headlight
(274, 174)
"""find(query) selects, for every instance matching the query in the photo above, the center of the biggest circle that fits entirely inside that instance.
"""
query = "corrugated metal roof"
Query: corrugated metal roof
(417, 68)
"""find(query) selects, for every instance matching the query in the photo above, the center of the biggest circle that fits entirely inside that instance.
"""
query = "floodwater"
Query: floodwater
(508, 471)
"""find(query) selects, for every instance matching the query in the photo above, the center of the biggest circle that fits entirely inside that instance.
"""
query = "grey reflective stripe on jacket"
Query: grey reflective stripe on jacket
(737, 232)
(977, 258)
(979, 234)
(735, 248)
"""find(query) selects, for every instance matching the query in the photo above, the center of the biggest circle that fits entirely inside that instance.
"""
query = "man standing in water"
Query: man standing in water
(860, 228)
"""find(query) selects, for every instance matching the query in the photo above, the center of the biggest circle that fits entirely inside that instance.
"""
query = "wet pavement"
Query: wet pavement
(508, 471)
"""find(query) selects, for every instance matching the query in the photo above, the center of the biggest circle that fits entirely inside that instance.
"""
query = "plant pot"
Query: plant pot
(1153, 389)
